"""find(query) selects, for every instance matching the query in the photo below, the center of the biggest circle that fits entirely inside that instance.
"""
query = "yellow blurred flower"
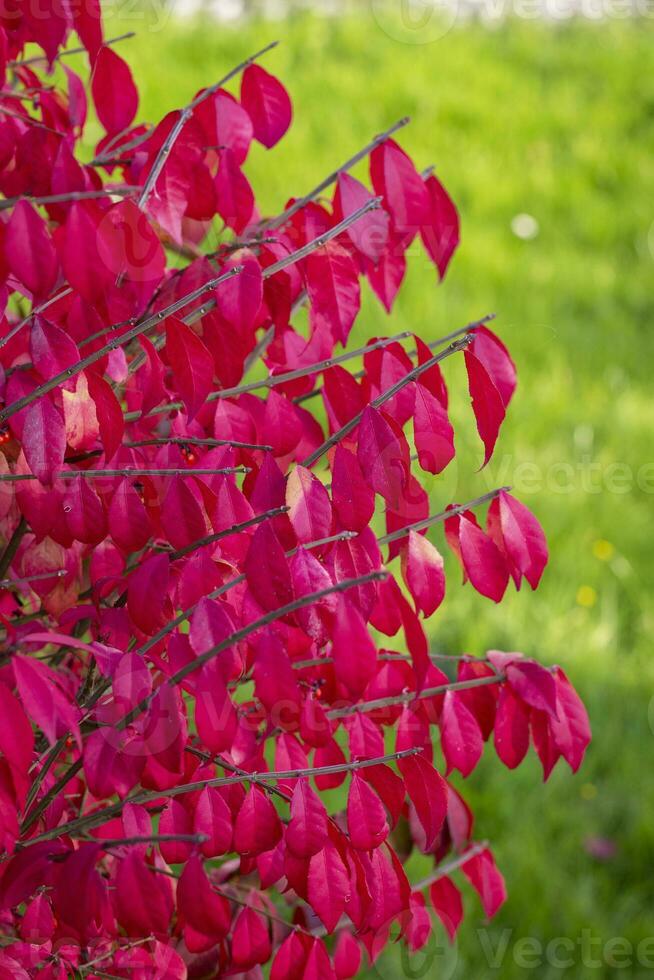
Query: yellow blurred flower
(603, 550)
(586, 596)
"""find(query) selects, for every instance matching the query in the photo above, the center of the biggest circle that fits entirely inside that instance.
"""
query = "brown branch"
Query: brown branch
(409, 696)
(469, 328)
(82, 824)
(138, 329)
(65, 54)
(9, 202)
(182, 119)
(9, 553)
(128, 472)
(446, 869)
(334, 439)
(282, 218)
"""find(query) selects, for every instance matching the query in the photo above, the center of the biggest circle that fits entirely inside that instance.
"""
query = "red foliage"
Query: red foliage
(191, 564)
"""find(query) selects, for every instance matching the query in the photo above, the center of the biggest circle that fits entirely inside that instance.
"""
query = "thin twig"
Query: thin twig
(442, 516)
(65, 54)
(297, 205)
(433, 344)
(447, 869)
(9, 553)
(138, 329)
(336, 437)
(182, 119)
(128, 472)
(98, 817)
(69, 196)
(408, 696)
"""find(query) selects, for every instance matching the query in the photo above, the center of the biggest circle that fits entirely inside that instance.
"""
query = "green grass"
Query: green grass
(557, 123)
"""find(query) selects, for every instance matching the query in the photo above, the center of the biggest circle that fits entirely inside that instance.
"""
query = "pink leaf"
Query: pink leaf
(309, 508)
(44, 439)
(306, 832)
(267, 103)
(354, 653)
(114, 93)
(366, 817)
(460, 735)
(422, 570)
(519, 537)
(448, 906)
(434, 436)
(427, 791)
(191, 363)
(484, 876)
(333, 288)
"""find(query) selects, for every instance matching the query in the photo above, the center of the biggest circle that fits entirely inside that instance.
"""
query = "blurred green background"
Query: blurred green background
(544, 135)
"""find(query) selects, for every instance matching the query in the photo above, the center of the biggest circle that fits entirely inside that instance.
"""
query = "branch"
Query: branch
(282, 218)
(8, 583)
(67, 53)
(334, 439)
(193, 441)
(409, 696)
(138, 329)
(446, 869)
(150, 839)
(99, 817)
(222, 589)
(127, 472)
(182, 119)
(299, 399)
(41, 308)
(242, 634)
(9, 202)
(443, 515)
(271, 270)
(12, 546)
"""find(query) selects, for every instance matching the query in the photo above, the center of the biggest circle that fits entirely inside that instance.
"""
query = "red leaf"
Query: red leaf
(533, 684)
(383, 455)
(460, 735)
(309, 508)
(353, 499)
(43, 699)
(366, 817)
(511, 728)
(487, 403)
(369, 234)
(267, 103)
(440, 235)
(212, 817)
(433, 434)
(484, 876)
(519, 537)
(44, 439)
(354, 653)
(328, 886)
(571, 729)
(114, 93)
(191, 363)
(333, 288)
(29, 249)
(250, 940)
(448, 906)
(480, 558)
(427, 791)
(266, 569)
(405, 196)
(422, 570)
(306, 832)
(257, 827)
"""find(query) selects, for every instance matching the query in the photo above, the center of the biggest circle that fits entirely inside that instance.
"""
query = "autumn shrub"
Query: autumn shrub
(215, 569)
